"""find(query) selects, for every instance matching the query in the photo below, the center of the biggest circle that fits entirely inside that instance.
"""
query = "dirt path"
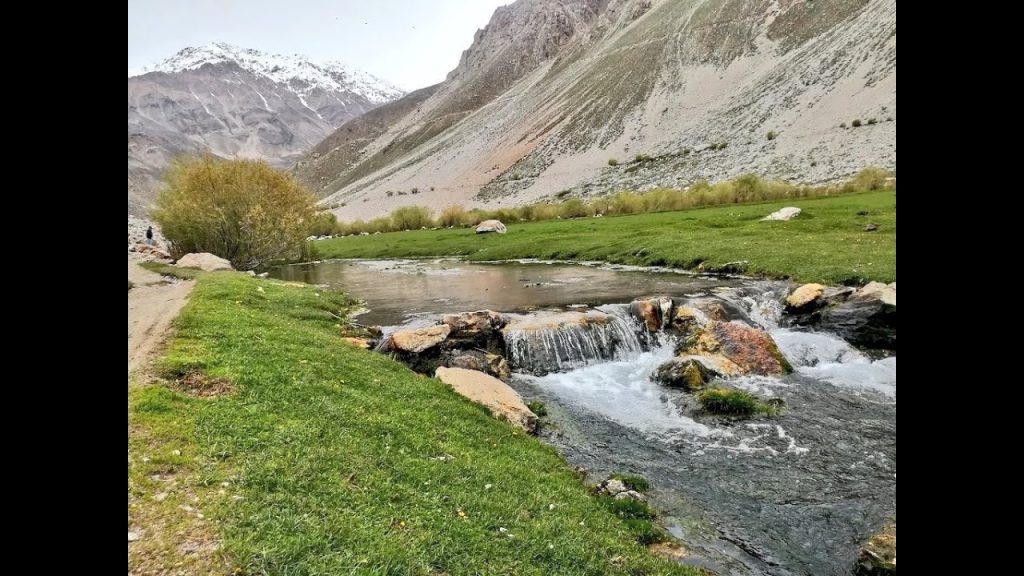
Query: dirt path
(151, 307)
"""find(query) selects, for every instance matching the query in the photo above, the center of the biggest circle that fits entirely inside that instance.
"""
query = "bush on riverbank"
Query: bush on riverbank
(744, 189)
(242, 210)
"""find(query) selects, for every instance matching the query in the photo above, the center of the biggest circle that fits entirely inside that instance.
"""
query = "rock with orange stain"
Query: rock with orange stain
(750, 350)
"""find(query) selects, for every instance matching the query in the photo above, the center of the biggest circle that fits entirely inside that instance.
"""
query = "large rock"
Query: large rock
(690, 374)
(493, 364)
(688, 321)
(787, 213)
(867, 322)
(504, 402)
(716, 309)
(878, 558)
(417, 340)
(204, 261)
(480, 329)
(751, 350)
(864, 317)
(490, 226)
(653, 313)
(474, 322)
(805, 308)
(804, 296)
(877, 291)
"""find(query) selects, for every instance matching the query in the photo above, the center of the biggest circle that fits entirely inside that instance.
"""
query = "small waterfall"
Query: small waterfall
(558, 341)
(762, 302)
(622, 391)
(829, 358)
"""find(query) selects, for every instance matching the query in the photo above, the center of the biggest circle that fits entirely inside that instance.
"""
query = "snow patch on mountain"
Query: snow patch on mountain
(296, 71)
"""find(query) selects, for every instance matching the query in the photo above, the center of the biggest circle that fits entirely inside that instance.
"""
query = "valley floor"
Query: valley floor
(848, 238)
(261, 444)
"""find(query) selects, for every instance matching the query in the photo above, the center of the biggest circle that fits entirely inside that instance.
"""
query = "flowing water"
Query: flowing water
(544, 342)
(396, 291)
(793, 494)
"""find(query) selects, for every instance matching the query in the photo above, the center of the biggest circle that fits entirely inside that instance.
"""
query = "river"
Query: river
(797, 493)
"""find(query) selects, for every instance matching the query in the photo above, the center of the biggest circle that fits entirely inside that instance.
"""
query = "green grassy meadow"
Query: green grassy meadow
(312, 457)
(826, 243)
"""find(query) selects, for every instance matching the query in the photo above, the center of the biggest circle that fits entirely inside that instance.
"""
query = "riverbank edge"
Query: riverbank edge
(848, 239)
(177, 424)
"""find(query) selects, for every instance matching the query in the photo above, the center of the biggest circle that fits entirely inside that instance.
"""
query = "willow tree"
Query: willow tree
(241, 210)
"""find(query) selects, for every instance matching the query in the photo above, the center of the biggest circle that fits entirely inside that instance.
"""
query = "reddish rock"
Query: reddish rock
(753, 351)
(653, 313)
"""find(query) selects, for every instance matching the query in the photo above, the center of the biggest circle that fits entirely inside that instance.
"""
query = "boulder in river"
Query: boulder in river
(488, 226)
(751, 350)
(804, 296)
(864, 317)
(503, 402)
(877, 290)
(480, 329)
(493, 364)
(687, 321)
(543, 342)
(653, 313)
(690, 374)
(417, 340)
(878, 558)
(470, 323)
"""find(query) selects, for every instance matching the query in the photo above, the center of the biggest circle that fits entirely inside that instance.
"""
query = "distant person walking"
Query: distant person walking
(149, 235)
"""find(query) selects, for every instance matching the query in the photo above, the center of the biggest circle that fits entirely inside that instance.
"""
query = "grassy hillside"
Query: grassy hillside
(312, 457)
(826, 243)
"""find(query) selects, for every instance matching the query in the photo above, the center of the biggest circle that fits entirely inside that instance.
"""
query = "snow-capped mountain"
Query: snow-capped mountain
(238, 102)
(294, 70)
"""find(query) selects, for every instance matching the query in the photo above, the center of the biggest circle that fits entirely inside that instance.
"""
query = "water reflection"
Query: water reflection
(396, 290)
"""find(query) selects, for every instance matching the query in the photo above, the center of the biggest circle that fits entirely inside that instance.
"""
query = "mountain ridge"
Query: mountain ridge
(237, 102)
(693, 87)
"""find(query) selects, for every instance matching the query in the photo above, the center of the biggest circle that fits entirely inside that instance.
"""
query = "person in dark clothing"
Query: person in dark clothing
(149, 235)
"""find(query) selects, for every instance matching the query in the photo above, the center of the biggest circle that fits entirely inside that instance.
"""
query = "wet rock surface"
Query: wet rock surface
(864, 317)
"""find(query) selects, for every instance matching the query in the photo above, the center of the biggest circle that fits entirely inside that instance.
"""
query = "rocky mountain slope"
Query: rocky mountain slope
(550, 91)
(242, 102)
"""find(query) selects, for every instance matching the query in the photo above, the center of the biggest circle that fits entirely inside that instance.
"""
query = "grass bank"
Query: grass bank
(336, 460)
(826, 243)
(742, 189)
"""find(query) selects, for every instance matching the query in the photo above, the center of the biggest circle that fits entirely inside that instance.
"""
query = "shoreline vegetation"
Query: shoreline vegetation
(265, 439)
(849, 238)
(744, 189)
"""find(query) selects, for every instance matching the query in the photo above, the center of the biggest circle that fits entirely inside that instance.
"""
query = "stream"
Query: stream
(793, 494)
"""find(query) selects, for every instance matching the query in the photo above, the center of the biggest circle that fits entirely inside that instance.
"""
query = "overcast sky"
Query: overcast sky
(412, 43)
